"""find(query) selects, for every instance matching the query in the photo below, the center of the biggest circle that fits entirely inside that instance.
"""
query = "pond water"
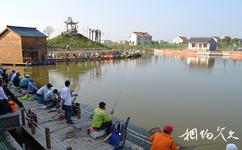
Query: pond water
(196, 93)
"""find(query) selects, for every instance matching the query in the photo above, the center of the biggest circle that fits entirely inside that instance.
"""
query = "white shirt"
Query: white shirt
(13, 76)
(2, 94)
(66, 96)
(42, 90)
(49, 95)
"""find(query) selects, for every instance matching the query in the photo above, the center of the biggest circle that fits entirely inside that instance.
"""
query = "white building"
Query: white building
(123, 42)
(162, 42)
(140, 38)
(179, 40)
(202, 44)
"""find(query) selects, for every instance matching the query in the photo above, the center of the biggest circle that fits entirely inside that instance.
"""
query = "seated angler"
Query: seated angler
(49, 97)
(16, 80)
(5, 77)
(102, 120)
(42, 92)
(32, 89)
(10, 75)
(24, 82)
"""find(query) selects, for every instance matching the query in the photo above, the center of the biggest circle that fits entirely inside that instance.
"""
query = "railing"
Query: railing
(130, 132)
(45, 131)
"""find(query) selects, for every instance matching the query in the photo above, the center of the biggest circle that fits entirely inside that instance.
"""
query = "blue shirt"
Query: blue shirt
(24, 82)
(2, 94)
(31, 87)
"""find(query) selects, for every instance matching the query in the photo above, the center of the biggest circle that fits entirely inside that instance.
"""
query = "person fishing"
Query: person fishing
(66, 96)
(163, 140)
(102, 120)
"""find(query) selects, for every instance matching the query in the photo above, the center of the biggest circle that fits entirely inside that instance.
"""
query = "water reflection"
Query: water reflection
(200, 62)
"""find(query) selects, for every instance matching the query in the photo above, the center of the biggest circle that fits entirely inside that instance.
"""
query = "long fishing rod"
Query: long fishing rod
(77, 90)
(116, 101)
(199, 145)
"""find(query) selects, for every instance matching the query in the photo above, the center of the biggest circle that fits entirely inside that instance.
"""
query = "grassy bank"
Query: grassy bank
(71, 42)
(149, 47)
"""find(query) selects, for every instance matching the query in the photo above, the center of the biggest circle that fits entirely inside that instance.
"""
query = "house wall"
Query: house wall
(10, 48)
(133, 39)
(140, 40)
(198, 46)
(177, 41)
(39, 43)
(144, 40)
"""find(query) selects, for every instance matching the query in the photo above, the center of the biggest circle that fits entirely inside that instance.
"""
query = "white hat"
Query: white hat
(231, 147)
(27, 75)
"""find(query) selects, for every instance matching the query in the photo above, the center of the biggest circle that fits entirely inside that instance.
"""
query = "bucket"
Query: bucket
(76, 109)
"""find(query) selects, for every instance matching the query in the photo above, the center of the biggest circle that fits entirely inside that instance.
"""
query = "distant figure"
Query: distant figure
(24, 82)
(32, 89)
(231, 147)
(13, 76)
(10, 75)
(102, 120)
(163, 140)
(16, 80)
(5, 77)
(66, 95)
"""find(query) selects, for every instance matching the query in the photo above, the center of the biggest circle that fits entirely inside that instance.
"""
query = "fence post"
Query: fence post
(47, 136)
(69, 148)
(32, 127)
(23, 116)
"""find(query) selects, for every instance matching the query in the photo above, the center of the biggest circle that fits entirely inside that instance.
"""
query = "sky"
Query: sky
(163, 19)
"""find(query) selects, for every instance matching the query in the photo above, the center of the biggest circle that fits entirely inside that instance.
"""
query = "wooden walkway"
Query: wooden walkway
(62, 135)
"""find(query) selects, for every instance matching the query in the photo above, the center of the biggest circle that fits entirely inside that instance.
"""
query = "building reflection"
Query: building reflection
(200, 62)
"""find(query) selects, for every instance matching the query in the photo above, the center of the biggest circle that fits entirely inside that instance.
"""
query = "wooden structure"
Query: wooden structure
(71, 26)
(54, 133)
(19, 45)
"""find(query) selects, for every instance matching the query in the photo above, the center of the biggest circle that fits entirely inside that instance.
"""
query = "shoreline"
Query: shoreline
(231, 55)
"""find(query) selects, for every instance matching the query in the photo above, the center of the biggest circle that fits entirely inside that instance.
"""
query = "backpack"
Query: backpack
(116, 133)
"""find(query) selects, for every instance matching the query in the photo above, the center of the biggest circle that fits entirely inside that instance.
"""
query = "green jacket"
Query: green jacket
(99, 117)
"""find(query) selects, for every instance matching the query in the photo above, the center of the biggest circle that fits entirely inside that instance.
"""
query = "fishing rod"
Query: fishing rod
(199, 145)
(77, 90)
(116, 101)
